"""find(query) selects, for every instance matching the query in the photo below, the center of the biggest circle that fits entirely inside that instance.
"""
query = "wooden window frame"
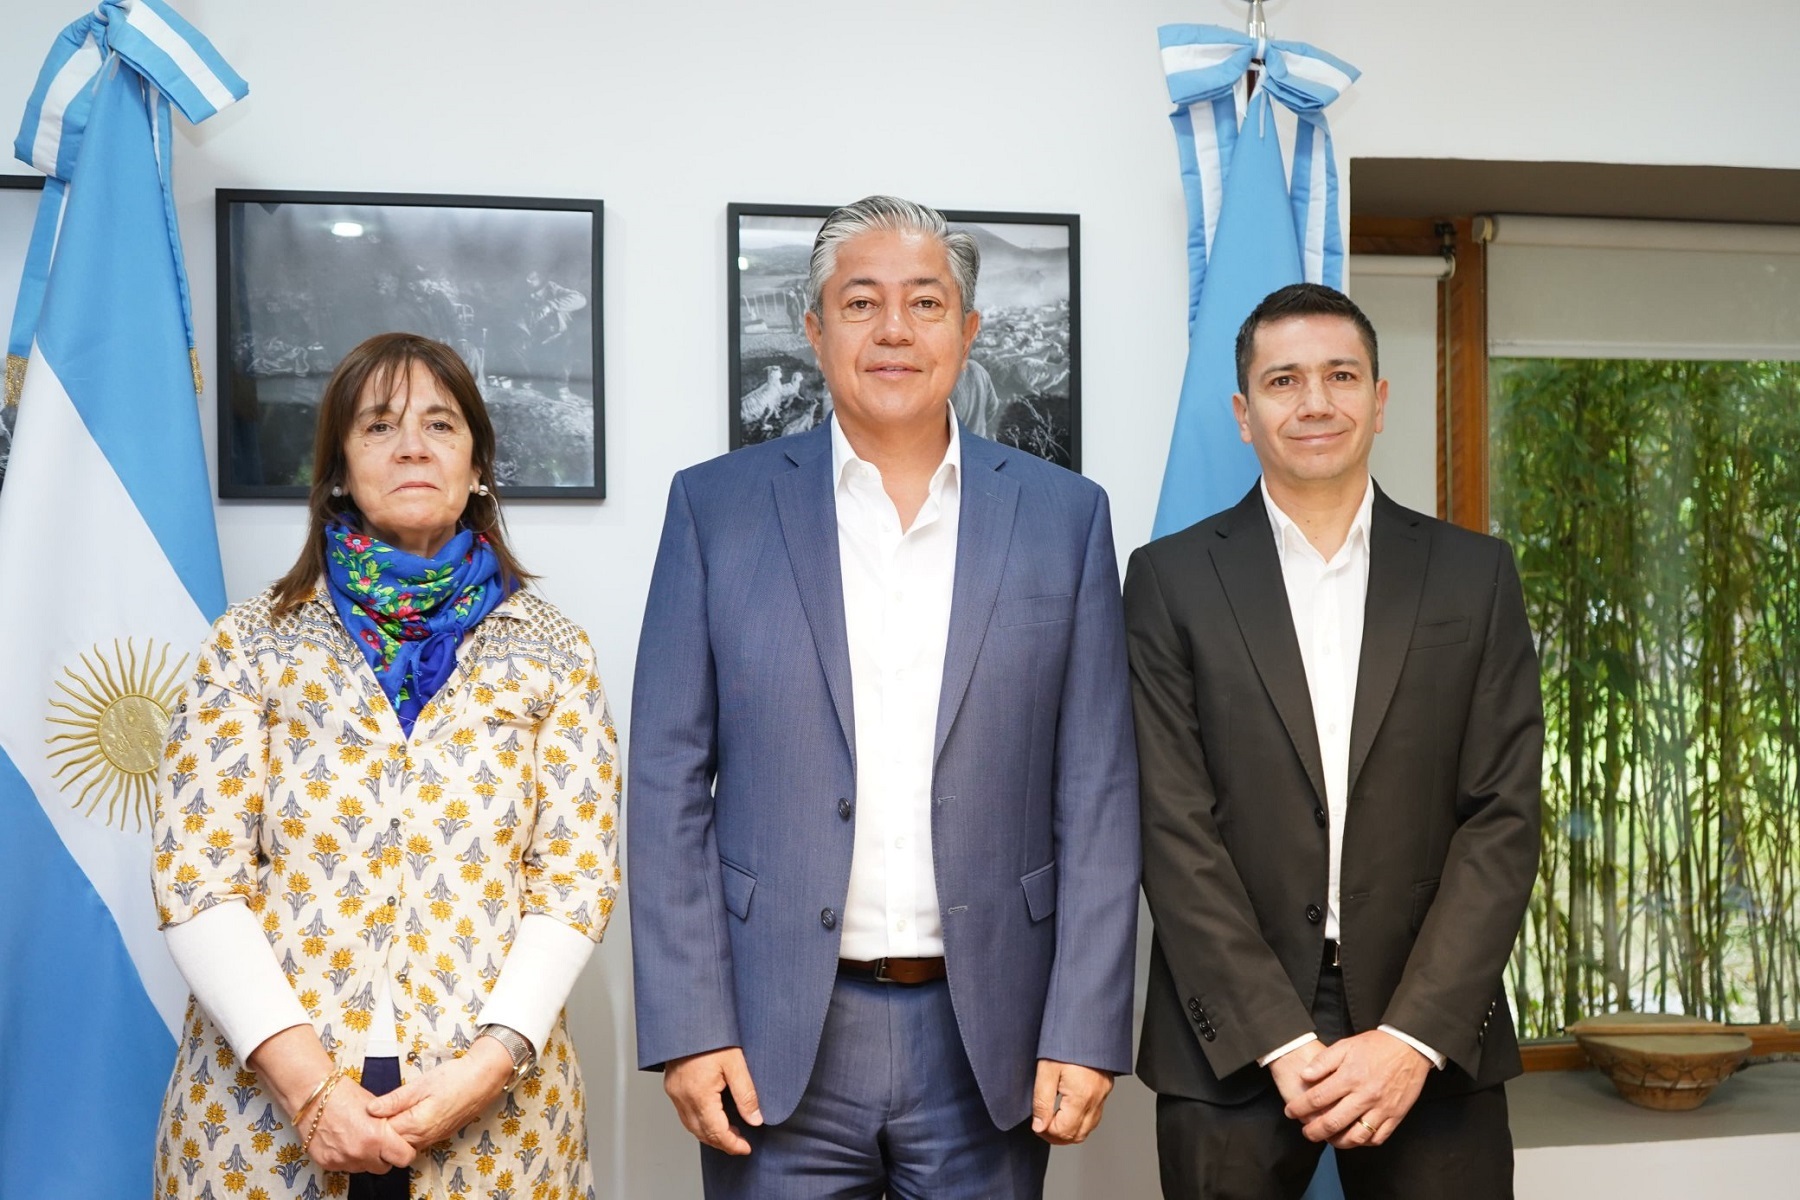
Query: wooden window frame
(1462, 399)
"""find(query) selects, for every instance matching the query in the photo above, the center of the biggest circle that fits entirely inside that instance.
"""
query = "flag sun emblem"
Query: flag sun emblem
(113, 722)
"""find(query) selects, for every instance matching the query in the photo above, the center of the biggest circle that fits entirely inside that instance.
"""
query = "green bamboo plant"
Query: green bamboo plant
(1655, 511)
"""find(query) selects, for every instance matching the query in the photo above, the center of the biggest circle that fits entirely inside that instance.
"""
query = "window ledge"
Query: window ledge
(1580, 1108)
(1566, 1054)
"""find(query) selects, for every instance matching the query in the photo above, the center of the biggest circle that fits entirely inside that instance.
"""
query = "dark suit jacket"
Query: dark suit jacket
(1440, 845)
(743, 773)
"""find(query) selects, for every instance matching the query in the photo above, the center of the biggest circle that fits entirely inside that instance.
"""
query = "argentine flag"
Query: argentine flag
(1258, 220)
(109, 578)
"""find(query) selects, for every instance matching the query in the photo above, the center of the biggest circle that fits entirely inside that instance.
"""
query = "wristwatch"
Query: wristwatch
(524, 1058)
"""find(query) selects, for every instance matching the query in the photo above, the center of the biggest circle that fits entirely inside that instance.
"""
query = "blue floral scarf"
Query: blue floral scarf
(407, 614)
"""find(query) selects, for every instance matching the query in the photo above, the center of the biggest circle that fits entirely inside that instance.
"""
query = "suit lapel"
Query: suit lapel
(1250, 570)
(990, 501)
(806, 502)
(1397, 557)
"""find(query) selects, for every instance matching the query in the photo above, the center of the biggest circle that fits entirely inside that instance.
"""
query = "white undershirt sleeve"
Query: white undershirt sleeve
(1276, 1053)
(226, 961)
(540, 970)
(1437, 1060)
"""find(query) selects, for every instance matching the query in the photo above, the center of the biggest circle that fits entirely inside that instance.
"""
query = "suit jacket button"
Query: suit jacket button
(827, 918)
(844, 808)
(1314, 913)
(1208, 1034)
(1194, 1005)
(1319, 816)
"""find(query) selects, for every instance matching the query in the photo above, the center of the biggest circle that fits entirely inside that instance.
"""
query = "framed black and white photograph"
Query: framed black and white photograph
(1022, 385)
(512, 284)
(18, 211)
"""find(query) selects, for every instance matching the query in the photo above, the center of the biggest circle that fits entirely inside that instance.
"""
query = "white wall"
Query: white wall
(668, 110)
(1404, 310)
(1763, 1165)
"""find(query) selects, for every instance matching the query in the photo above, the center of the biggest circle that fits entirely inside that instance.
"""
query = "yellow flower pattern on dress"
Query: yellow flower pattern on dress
(288, 786)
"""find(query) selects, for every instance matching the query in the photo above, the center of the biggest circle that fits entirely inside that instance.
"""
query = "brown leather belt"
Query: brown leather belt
(905, 971)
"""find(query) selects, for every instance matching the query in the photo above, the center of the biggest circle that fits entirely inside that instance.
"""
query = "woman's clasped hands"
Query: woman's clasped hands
(448, 1096)
(348, 1129)
(343, 1135)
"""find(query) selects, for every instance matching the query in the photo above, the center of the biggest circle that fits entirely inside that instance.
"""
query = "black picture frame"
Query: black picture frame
(18, 213)
(1029, 346)
(513, 283)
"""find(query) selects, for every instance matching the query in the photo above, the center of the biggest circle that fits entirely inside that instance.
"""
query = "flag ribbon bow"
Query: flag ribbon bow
(1206, 66)
(176, 64)
(1258, 219)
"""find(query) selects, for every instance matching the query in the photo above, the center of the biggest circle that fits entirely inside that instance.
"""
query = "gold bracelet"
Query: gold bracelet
(317, 1088)
(337, 1077)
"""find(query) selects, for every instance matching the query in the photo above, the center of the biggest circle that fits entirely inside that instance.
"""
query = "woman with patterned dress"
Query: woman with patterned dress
(386, 834)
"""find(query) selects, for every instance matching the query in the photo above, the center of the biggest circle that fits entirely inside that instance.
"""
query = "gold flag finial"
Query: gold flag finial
(15, 379)
(199, 380)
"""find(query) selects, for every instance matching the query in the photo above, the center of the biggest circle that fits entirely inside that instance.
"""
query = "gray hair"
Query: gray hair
(874, 214)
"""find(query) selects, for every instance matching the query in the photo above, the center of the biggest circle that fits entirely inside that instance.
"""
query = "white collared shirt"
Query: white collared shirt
(897, 589)
(1327, 600)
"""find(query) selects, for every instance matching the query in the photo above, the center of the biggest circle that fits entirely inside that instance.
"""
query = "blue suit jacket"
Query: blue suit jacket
(743, 773)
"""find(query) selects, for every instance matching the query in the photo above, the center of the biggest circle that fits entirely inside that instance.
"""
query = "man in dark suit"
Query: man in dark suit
(1340, 736)
(883, 820)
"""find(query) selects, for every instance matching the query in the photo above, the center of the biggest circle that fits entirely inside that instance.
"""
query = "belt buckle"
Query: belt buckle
(1337, 952)
(881, 975)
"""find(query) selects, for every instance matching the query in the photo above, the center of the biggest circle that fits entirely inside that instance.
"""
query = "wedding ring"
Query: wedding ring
(1373, 1132)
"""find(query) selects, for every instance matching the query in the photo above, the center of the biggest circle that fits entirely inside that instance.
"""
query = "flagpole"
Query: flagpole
(1257, 27)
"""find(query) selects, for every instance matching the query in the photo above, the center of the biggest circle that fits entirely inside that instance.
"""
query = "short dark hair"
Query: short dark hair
(1301, 300)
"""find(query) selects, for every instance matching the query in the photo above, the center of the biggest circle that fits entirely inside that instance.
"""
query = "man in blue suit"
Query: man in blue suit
(883, 825)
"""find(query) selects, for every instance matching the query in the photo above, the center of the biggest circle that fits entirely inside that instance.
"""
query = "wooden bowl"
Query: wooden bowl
(1659, 1061)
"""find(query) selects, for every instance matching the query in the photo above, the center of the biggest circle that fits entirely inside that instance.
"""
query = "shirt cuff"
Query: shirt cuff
(226, 961)
(1437, 1060)
(536, 979)
(1278, 1051)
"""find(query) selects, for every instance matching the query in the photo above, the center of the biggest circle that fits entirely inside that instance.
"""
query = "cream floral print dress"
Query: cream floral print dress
(288, 786)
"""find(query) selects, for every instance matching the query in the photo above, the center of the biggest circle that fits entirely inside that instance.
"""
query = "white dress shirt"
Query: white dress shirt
(897, 587)
(1327, 600)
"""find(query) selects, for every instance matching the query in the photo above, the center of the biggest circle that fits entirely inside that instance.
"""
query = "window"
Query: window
(1644, 461)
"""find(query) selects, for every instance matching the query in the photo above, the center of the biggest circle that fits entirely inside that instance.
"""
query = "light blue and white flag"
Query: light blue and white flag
(1257, 221)
(109, 578)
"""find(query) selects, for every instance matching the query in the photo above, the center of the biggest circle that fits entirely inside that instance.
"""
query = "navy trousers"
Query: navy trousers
(381, 1076)
(892, 1109)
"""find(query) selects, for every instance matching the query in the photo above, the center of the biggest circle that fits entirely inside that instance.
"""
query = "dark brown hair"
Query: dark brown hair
(386, 361)
(1301, 300)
